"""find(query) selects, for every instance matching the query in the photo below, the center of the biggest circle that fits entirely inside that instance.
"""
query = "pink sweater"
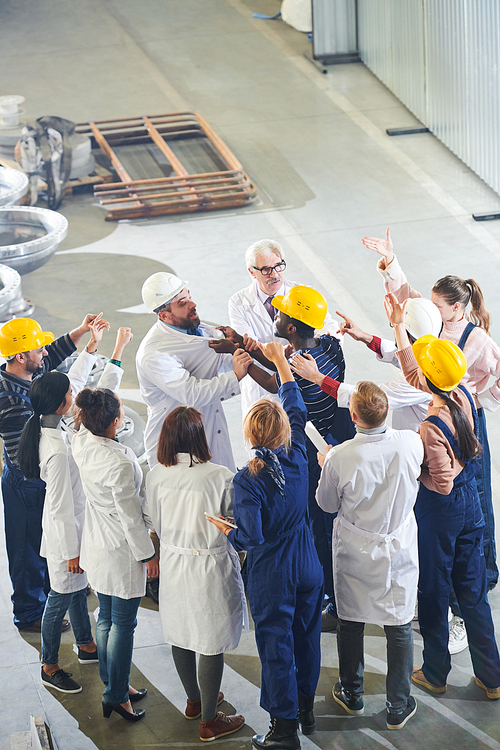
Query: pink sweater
(481, 352)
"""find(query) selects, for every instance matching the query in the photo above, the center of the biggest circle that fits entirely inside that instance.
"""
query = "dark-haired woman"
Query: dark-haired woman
(45, 453)
(202, 602)
(449, 518)
(452, 295)
(116, 547)
(285, 579)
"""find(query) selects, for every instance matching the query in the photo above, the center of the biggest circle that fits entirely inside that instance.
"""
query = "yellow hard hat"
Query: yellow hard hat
(303, 303)
(441, 361)
(22, 335)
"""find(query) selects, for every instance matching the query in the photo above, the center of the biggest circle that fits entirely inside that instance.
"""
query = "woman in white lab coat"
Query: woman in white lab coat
(45, 452)
(116, 548)
(202, 601)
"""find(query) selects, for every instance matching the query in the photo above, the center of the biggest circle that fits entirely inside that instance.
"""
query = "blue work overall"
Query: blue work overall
(450, 549)
(23, 508)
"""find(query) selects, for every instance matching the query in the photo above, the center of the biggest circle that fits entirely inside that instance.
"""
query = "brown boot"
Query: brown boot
(193, 708)
(220, 726)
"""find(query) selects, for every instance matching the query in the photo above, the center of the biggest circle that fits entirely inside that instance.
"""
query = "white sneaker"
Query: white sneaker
(458, 636)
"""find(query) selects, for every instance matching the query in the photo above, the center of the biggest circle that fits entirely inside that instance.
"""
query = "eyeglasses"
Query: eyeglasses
(267, 270)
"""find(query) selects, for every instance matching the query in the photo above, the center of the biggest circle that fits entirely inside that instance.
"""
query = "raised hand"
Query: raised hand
(381, 246)
(124, 336)
(349, 327)
(394, 310)
(273, 351)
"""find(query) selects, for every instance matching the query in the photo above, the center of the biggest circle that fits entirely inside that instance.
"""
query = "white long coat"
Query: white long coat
(115, 539)
(175, 369)
(202, 601)
(408, 405)
(64, 506)
(372, 481)
(247, 314)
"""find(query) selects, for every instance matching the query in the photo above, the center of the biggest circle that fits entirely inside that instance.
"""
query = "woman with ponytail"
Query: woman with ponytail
(285, 579)
(117, 551)
(471, 333)
(45, 453)
(449, 518)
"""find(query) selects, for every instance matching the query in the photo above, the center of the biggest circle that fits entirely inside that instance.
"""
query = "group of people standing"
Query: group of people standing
(412, 506)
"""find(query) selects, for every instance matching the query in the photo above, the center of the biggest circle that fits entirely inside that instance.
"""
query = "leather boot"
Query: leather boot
(282, 735)
(306, 714)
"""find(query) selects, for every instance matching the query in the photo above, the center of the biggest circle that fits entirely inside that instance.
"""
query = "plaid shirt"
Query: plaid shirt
(15, 411)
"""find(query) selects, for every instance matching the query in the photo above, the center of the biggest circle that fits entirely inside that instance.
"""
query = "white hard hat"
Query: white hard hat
(161, 288)
(422, 317)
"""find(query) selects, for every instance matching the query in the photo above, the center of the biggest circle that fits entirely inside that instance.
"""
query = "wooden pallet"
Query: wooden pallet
(224, 186)
(99, 176)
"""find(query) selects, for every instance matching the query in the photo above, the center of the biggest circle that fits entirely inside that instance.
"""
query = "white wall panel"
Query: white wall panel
(441, 58)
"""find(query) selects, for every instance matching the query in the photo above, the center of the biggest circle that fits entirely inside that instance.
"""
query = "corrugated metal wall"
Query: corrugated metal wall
(334, 27)
(441, 58)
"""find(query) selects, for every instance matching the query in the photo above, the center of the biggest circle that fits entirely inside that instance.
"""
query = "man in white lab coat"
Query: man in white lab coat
(177, 367)
(372, 481)
(251, 310)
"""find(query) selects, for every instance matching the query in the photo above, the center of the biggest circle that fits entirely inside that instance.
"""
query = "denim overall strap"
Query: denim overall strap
(447, 433)
(473, 408)
(465, 335)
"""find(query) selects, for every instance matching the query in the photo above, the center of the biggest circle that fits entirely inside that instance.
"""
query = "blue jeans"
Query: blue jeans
(57, 605)
(350, 637)
(115, 641)
(450, 550)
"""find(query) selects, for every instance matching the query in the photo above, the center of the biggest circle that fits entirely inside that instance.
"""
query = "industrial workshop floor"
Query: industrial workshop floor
(327, 174)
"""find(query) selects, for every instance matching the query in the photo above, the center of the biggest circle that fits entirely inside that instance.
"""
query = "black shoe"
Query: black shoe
(352, 704)
(36, 627)
(282, 735)
(87, 657)
(152, 589)
(397, 719)
(136, 697)
(61, 681)
(108, 708)
(306, 714)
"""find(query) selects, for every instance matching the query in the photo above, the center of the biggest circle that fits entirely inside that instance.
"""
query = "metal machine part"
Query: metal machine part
(13, 185)
(12, 302)
(29, 236)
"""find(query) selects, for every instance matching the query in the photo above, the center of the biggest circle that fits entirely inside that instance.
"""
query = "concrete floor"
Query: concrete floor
(315, 145)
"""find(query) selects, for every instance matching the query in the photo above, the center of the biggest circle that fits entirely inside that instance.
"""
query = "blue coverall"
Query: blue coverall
(285, 579)
(450, 550)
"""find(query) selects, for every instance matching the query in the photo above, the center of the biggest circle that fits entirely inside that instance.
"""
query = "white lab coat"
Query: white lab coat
(247, 314)
(372, 481)
(64, 506)
(408, 405)
(115, 539)
(202, 601)
(175, 369)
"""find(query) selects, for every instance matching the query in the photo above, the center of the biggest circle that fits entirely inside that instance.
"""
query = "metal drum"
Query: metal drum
(29, 236)
(13, 185)
(12, 302)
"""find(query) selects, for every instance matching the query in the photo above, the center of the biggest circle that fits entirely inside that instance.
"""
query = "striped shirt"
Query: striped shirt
(321, 408)
(14, 410)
